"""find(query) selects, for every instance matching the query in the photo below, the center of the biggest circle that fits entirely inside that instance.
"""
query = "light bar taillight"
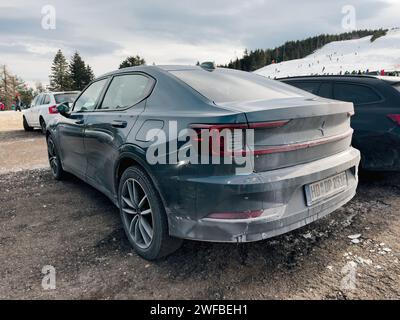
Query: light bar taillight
(217, 144)
(235, 215)
(395, 118)
(53, 110)
(268, 124)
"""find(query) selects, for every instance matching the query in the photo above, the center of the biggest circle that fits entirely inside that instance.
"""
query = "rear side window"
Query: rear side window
(311, 87)
(39, 100)
(325, 90)
(87, 100)
(226, 85)
(34, 101)
(46, 99)
(125, 91)
(355, 93)
(65, 97)
(397, 86)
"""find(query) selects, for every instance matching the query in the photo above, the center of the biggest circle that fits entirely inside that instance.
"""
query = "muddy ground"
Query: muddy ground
(76, 229)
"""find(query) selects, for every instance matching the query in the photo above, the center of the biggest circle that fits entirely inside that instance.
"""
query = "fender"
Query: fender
(138, 155)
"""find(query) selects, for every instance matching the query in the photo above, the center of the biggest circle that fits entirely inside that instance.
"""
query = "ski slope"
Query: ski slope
(341, 56)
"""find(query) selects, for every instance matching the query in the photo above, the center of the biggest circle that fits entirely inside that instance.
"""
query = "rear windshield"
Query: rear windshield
(226, 85)
(65, 97)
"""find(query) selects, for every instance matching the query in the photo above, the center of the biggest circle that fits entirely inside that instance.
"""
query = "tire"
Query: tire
(135, 218)
(26, 125)
(54, 160)
(43, 125)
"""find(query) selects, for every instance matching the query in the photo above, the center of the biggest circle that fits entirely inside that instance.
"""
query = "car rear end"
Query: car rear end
(303, 165)
(56, 98)
(395, 115)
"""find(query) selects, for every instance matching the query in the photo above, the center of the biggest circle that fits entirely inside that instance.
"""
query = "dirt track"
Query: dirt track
(74, 228)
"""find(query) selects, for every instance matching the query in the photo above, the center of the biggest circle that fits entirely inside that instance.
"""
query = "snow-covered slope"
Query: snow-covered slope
(341, 56)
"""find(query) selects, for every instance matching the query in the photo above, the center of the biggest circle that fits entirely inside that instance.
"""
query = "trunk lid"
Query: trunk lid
(307, 129)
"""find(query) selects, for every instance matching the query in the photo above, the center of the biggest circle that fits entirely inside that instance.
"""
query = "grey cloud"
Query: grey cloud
(99, 28)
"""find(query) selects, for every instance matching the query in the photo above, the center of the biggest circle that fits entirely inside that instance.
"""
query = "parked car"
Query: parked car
(303, 164)
(44, 107)
(376, 122)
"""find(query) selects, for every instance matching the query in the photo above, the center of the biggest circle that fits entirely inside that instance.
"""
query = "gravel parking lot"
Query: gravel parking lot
(76, 229)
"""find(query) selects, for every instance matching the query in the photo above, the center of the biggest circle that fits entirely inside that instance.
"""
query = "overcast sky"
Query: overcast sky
(169, 31)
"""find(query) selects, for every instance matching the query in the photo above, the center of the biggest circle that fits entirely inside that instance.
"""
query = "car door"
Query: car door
(109, 125)
(369, 121)
(28, 112)
(71, 129)
(367, 105)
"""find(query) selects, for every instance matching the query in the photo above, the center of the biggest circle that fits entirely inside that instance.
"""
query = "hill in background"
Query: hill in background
(368, 54)
(291, 50)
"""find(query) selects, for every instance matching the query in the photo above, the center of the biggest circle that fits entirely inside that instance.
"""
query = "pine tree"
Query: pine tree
(59, 77)
(89, 75)
(132, 62)
(78, 73)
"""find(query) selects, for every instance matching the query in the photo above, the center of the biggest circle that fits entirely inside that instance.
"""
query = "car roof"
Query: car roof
(64, 92)
(390, 79)
(152, 70)
(348, 78)
(58, 92)
(331, 77)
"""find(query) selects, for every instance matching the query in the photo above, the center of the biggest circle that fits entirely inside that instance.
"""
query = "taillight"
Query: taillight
(53, 110)
(395, 118)
(217, 134)
(223, 139)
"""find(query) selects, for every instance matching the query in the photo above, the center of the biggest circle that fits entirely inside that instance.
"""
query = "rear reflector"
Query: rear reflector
(235, 215)
(395, 118)
(53, 110)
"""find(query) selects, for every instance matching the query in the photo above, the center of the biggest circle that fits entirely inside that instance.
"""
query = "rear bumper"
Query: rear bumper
(279, 193)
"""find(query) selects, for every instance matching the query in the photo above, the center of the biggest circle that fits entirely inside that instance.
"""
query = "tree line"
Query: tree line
(76, 74)
(11, 87)
(256, 59)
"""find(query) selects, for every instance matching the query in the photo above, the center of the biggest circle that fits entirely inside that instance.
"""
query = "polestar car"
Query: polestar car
(303, 166)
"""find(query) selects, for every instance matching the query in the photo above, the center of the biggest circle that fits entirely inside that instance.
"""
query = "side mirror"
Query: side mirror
(63, 109)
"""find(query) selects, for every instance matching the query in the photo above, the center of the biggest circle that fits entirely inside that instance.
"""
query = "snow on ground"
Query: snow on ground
(341, 56)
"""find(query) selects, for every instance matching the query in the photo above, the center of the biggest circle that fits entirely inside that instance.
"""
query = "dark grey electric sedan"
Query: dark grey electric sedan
(151, 139)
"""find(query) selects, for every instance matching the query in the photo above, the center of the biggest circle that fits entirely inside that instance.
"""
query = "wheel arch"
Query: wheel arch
(130, 158)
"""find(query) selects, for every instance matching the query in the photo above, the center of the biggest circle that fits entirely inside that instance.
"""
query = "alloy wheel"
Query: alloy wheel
(137, 213)
(52, 156)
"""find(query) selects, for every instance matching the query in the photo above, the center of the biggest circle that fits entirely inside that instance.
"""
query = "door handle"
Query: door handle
(119, 124)
(81, 121)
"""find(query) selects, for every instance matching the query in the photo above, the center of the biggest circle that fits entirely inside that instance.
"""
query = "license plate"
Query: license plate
(326, 188)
